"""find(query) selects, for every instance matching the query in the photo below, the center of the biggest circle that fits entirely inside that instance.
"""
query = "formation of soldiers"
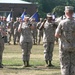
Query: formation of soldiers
(11, 35)
(11, 29)
(26, 32)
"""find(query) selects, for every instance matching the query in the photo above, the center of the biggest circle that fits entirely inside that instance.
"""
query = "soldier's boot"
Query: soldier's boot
(24, 64)
(50, 64)
(8, 42)
(34, 42)
(46, 63)
(1, 66)
(28, 64)
(38, 42)
(14, 42)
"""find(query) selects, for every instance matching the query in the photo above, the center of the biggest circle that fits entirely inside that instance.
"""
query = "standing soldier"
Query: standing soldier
(16, 33)
(40, 32)
(48, 38)
(10, 30)
(26, 40)
(4, 28)
(2, 34)
(34, 31)
(66, 34)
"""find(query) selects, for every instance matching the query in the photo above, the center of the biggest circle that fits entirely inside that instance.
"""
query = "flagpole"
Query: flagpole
(9, 16)
(12, 12)
(36, 9)
(24, 10)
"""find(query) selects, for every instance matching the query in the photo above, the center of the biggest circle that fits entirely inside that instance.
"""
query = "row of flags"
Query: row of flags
(35, 16)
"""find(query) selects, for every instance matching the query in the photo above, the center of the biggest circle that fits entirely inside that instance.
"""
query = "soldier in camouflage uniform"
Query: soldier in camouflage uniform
(66, 34)
(2, 33)
(4, 28)
(40, 32)
(25, 40)
(16, 33)
(34, 31)
(10, 30)
(48, 38)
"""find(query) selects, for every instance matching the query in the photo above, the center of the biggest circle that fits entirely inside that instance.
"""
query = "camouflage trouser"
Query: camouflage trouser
(1, 49)
(9, 36)
(40, 35)
(34, 34)
(48, 50)
(16, 37)
(26, 50)
(67, 62)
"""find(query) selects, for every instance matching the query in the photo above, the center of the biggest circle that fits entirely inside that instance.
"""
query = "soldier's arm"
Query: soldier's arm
(14, 25)
(58, 31)
(3, 32)
(38, 24)
(8, 25)
(20, 27)
(42, 25)
(54, 25)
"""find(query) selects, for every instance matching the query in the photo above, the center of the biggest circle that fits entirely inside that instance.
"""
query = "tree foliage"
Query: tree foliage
(53, 6)
(58, 10)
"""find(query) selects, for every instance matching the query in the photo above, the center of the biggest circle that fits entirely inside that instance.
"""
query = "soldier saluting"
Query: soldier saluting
(48, 27)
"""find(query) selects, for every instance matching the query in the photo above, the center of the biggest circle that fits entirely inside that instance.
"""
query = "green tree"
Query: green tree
(54, 6)
(58, 10)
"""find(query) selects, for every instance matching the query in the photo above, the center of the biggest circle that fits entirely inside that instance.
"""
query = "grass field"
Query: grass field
(12, 61)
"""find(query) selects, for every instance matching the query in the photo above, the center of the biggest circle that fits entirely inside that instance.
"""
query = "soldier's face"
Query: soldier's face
(49, 18)
(68, 13)
(26, 19)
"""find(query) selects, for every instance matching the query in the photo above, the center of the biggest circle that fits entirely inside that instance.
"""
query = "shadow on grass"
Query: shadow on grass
(31, 67)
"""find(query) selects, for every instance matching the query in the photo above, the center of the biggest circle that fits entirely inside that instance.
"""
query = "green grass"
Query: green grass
(12, 60)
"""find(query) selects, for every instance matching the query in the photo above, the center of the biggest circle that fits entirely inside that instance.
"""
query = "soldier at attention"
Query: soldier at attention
(66, 34)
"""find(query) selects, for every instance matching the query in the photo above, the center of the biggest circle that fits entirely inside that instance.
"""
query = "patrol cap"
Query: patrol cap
(68, 8)
(49, 15)
(26, 18)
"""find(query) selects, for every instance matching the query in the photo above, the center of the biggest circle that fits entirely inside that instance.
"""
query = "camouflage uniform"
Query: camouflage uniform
(40, 32)
(57, 21)
(1, 49)
(67, 46)
(16, 33)
(4, 28)
(34, 32)
(26, 41)
(10, 31)
(48, 41)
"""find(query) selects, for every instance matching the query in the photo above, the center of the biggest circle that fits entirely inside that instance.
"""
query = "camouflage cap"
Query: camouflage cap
(68, 8)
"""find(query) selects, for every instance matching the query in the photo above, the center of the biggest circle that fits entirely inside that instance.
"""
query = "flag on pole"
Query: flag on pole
(23, 15)
(9, 17)
(35, 16)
